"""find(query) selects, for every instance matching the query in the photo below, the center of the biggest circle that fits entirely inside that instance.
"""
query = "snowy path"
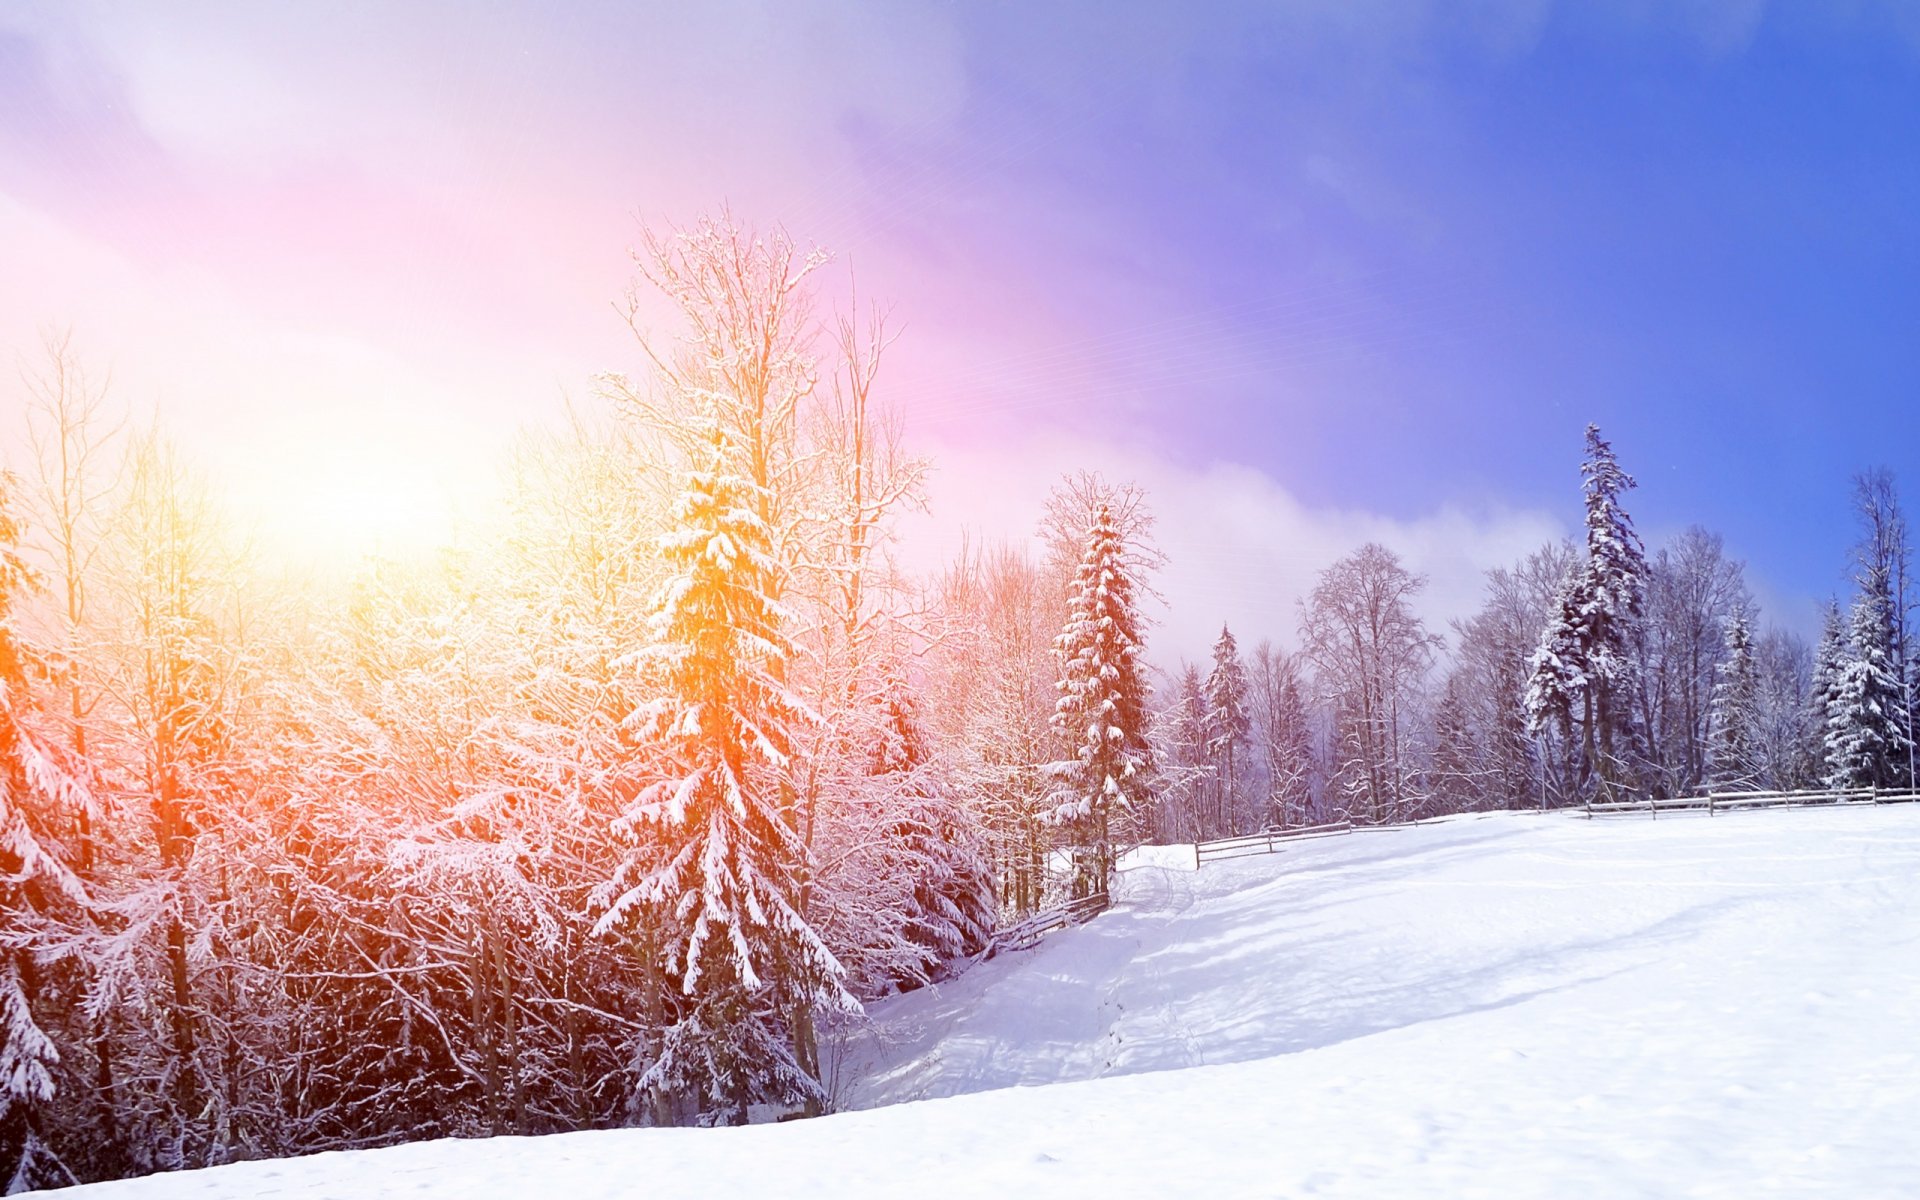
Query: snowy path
(1507, 1006)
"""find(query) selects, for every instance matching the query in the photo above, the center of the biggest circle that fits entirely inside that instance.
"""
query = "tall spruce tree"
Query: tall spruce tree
(716, 862)
(1829, 656)
(1228, 725)
(1584, 664)
(1866, 708)
(1736, 711)
(1613, 605)
(1101, 715)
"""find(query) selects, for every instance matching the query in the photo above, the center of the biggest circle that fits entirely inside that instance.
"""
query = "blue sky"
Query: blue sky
(1704, 238)
(1316, 272)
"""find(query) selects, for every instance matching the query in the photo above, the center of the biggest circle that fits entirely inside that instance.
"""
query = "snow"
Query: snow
(1512, 1005)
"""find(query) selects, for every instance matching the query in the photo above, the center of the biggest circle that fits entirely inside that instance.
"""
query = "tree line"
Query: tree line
(1593, 670)
(619, 813)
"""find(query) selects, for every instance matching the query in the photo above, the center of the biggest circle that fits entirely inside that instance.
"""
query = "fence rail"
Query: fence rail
(1026, 933)
(1263, 843)
(1719, 802)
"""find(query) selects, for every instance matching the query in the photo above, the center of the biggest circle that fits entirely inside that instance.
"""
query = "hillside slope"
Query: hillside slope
(1514, 1005)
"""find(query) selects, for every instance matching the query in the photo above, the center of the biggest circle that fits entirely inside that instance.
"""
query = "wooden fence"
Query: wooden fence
(1026, 933)
(1262, 843)
(1719, 802)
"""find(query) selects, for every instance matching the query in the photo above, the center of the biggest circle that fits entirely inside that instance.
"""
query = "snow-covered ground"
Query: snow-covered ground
(1515, 1005)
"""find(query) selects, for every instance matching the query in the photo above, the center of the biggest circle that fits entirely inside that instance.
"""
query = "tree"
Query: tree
(72, 432)
(1884, 558)
(1458, 782)
(1736, 716)
(40, 801)
(993, 686)
(1693, 590)
(1790, 737)
(1072, 507)
(1100, 719)
(1586, 656)
(1829, 656)
(172, 578)
(1370, 653)
(1286, 734)
(714, 859)
(1185, 769)
(1519, 765)
(949, 910)
(1557, 682)
(1228, 726)
(1866, 711)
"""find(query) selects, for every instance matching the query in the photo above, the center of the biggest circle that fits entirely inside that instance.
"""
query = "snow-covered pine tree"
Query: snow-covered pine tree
(1613, 604)
(714, 862)
(1101, 715)
(1736, 711)
(1866, 735)
(1557, 684)
(39, 799)
(951, 910)
(1829, 655)
(1186, 769)
(1584, 665)
(1228, 725)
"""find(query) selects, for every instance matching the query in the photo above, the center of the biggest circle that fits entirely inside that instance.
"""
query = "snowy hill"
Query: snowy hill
(1514, 1005)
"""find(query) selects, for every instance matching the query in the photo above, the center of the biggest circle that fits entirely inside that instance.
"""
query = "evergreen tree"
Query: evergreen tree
(1866, 710)
(38, 799)
(1228, 724)
(1457, 756)
(1736, 711)
(716, 862)
(1289, 747)
(1829, 656)
(1584, 664)
(1558, 681)
(1613, 603)
(1186, 768)
(951, 909)
(1101, 715)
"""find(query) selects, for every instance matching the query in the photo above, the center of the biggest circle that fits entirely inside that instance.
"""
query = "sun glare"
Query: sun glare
(333, 510)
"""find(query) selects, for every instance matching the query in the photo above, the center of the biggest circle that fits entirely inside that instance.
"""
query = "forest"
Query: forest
(619, 814)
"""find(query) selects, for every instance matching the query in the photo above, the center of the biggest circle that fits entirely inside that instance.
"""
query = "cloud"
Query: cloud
(1241, 547)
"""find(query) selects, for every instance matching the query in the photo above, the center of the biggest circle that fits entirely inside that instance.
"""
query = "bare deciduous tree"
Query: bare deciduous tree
(1370, 655)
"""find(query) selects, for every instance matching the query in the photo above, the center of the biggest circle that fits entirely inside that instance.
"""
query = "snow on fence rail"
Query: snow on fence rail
(1026, 933)
(1718, 802)
(1262, 843)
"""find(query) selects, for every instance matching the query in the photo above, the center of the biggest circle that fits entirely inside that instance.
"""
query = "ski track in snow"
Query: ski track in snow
(1509, 1005)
